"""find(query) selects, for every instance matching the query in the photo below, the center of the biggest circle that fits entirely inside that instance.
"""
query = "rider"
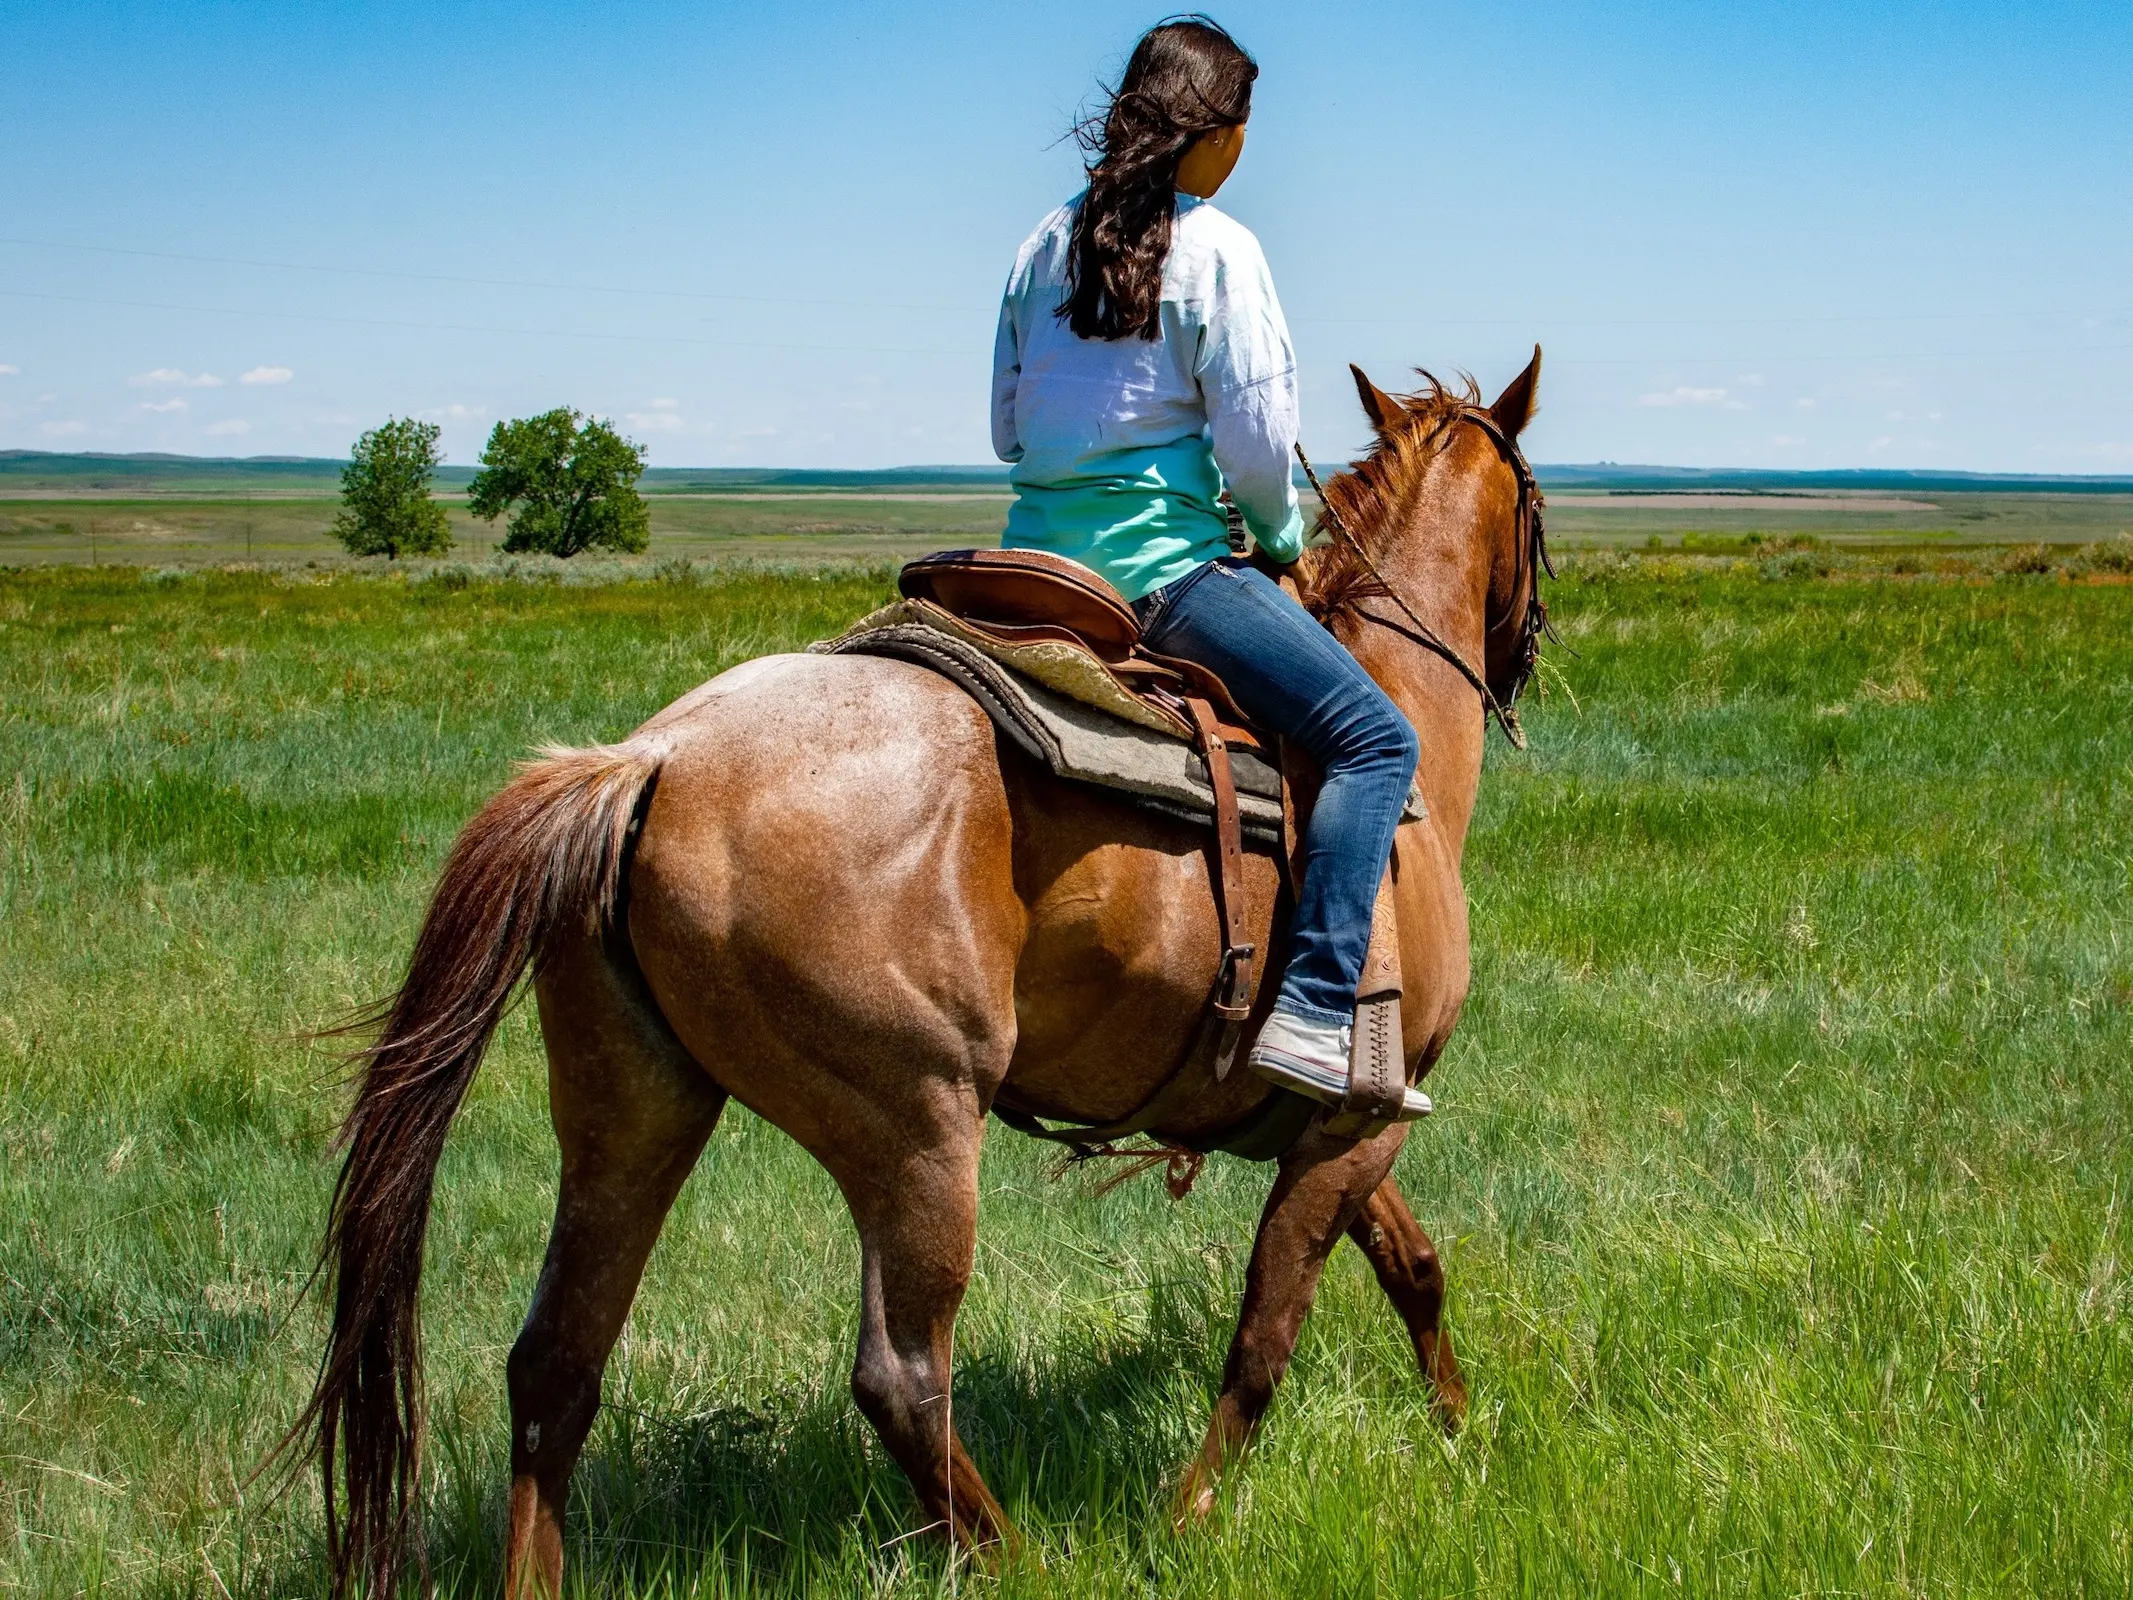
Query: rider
(1142, 368)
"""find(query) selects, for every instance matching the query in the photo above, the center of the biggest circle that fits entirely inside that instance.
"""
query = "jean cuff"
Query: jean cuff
(1296, 1008)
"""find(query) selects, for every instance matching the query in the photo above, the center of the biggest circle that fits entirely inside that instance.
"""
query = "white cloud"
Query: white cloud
(1804, 403)
(663, 405)
(1880, 444)
(267, 375)
(230, 425)
(1788, 438)
(1751, 380)
(455, 412)
(7, 371)
(61, 430)
(655, 421)
(172, 404)
(1687, 395)
(173, 378)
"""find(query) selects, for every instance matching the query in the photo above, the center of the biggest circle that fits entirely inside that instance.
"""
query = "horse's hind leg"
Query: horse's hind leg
(918, 1227)
(631, 1111)
(1413, 1279)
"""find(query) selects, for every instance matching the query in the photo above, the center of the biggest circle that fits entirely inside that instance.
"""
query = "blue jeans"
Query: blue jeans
(1290, 675)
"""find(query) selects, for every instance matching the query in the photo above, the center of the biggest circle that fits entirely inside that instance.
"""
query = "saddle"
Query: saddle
(1052, 618)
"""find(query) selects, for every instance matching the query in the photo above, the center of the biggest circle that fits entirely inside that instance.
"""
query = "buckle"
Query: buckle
(1233, 979)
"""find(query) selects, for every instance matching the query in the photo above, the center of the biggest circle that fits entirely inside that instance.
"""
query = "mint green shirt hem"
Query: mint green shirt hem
(1148, 522)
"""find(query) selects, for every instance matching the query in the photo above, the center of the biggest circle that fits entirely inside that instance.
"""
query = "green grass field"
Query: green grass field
(282, 530)
(1782, 1160)
(791, 525)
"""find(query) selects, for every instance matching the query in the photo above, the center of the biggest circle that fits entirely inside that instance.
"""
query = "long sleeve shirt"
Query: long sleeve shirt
(1121, 447)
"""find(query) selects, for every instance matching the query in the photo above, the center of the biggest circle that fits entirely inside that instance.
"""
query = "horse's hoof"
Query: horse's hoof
(1450, 1406)
(1195, 1500)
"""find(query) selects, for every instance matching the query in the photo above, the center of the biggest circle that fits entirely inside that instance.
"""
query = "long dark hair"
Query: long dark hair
(1186, 77)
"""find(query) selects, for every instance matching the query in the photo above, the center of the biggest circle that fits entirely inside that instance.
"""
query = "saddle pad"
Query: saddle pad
(1158, 771)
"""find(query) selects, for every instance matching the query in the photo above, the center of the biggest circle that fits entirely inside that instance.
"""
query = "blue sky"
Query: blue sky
(1768, 235)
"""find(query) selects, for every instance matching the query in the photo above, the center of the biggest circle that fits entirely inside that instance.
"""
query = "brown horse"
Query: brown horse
(819, 885)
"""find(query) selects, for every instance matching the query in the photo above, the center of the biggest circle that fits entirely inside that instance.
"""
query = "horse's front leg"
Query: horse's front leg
(1412, 1277)
(1320, 1190)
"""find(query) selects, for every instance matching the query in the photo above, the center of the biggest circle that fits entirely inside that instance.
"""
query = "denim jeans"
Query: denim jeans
(1290, 675)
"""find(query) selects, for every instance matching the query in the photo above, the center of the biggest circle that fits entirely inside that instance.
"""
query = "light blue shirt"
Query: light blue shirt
(1121, 446)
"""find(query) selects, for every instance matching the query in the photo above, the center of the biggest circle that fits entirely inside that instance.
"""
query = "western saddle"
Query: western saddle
(1032, 596)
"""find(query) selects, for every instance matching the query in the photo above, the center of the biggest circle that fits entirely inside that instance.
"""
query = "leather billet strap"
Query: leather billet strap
(1234, 986)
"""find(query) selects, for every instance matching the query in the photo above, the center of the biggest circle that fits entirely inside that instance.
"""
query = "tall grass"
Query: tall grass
(1782, 1159)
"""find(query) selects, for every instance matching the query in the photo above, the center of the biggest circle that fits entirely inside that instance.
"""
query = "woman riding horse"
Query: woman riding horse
(1142, 368)
(821, 885)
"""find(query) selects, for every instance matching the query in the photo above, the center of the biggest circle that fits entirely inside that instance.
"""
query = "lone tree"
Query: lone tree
(386, 509)
(572, 486)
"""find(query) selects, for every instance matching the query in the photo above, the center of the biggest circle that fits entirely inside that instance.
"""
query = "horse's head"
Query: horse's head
(1437, 531)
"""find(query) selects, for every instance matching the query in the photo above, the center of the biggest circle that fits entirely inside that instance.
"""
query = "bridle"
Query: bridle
(1531, 557)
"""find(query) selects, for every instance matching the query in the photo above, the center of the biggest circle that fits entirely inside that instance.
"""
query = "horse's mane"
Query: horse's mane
(1375, 493)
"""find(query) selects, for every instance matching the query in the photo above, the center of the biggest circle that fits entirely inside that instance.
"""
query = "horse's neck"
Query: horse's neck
(1441, 566)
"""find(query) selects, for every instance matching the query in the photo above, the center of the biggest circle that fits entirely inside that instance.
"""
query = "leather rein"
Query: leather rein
(1532, 550)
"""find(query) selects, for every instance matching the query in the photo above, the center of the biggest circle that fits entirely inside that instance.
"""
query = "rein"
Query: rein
(1531, 546)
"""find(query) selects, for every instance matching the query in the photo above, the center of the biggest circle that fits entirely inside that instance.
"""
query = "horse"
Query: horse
(819, 885)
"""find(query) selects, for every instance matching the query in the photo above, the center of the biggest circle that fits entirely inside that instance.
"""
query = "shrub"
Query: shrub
(677, 570)
(2024, 560)
(2108, 555)
(1797, 565)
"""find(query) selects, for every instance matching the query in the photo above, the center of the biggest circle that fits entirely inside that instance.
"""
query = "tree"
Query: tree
(573, 486)
(386, 509)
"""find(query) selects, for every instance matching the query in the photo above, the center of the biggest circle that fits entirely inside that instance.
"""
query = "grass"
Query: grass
(1782, 1160)
(809, 524)
(283, 530)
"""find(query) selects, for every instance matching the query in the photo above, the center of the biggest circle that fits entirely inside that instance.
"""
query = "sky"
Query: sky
(1765, 235)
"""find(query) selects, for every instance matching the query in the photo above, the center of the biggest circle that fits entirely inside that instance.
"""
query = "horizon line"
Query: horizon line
(1000, 470)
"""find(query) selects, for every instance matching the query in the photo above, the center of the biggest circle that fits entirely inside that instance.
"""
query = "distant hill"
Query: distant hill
(150, 473)
(35, 471)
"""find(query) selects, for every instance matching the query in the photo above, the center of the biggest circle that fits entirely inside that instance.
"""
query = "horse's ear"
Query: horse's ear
(1380, 407)
(1514, 407)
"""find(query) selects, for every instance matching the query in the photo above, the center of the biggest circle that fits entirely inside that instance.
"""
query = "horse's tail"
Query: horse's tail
(545, 857)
